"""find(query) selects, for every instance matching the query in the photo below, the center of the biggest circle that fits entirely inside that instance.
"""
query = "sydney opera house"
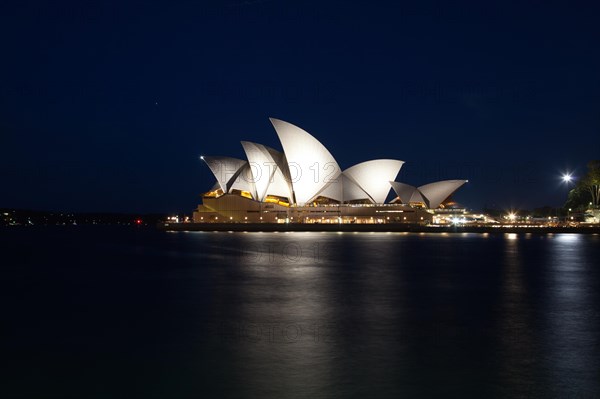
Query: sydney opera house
(304, 184)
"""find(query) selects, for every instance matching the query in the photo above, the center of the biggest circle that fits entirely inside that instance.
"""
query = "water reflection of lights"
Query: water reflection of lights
(569, 290)
(568, 237)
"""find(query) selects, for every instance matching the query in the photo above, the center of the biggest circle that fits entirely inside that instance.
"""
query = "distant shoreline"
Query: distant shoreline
(374, 228)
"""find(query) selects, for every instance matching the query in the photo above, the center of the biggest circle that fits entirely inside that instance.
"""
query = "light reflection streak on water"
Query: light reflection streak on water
(568, 322)
(516, 321)
(285, 305)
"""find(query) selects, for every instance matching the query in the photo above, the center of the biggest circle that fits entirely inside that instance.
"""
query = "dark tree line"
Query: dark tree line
(587, 189)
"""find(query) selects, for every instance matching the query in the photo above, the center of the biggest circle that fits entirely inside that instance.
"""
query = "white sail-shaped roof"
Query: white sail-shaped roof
(311, 165)
(307, 170)
(432, 194)
(244, 181)
(225, 169)
(261, 166)
(417, 196)
(374, 177)
(344, 189)
(269, 171)
(437, 192)
(333, 190)
(404, 191)
(353, 191)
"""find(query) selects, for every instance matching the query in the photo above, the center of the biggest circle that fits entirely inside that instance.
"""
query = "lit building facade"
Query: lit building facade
(305, 184)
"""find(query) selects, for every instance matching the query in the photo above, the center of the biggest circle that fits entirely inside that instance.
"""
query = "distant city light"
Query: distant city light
(512, 216)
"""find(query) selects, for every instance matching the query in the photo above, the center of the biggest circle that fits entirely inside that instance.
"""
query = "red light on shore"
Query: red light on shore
(138, 221)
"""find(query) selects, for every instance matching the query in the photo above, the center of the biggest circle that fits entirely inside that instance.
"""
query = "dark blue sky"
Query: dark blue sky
(107, 106)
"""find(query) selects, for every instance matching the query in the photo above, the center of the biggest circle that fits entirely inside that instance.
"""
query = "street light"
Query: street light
(567, 178)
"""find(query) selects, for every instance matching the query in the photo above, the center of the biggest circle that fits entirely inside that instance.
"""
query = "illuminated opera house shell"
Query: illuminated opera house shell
(306, 173)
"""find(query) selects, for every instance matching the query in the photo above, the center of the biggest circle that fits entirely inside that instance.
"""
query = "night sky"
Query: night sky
(108, 106)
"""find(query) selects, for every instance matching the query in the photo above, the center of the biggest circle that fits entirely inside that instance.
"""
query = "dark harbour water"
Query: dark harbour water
(119, 312)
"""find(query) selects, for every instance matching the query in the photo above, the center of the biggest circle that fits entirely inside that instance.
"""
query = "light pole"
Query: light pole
(567, 178)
